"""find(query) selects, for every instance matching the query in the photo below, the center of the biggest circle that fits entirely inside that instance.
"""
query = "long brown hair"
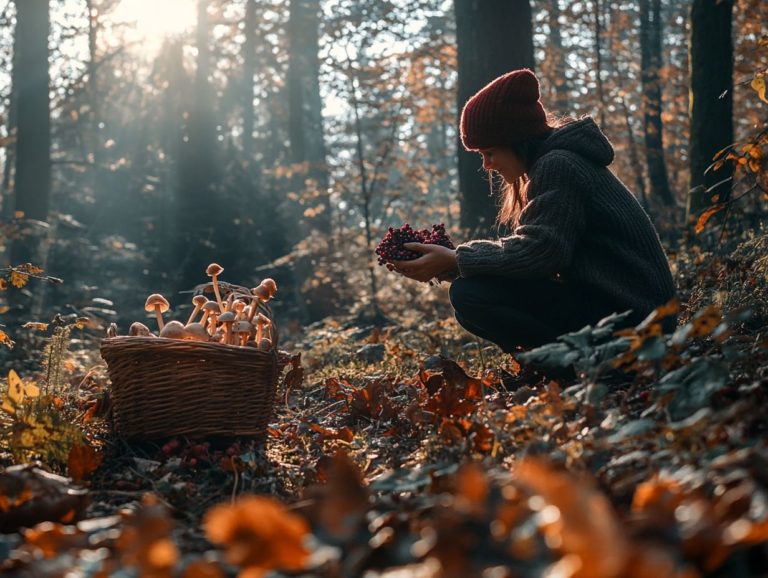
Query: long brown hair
(513, 196)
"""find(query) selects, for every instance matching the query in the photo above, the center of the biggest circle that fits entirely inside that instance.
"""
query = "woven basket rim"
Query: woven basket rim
(169, 343)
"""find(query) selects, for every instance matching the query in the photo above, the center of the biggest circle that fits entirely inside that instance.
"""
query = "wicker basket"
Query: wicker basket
(168, 387)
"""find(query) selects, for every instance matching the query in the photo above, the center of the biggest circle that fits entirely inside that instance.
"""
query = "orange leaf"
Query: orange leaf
(18, 280)
(579, 519)
(705, 216)
(83, 461)
(258, 533)
(203, 569)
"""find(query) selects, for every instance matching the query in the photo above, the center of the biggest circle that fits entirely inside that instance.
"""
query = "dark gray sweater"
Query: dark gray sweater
(582, 223)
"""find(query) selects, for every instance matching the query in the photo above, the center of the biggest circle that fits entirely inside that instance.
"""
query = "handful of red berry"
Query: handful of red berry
(390, 248)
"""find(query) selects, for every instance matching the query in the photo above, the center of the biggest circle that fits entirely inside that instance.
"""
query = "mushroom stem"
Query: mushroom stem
(216, 292)
(159, 315)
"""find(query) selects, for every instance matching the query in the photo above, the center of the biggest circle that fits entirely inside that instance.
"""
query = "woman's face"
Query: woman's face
(503, 161)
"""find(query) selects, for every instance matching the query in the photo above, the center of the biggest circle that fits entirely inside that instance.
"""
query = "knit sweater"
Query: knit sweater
(582, 225)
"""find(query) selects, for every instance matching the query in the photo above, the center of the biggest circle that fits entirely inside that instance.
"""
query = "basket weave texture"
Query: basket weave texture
(168, 387)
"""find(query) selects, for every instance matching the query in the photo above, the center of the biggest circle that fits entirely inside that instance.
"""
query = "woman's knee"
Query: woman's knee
(468, 293)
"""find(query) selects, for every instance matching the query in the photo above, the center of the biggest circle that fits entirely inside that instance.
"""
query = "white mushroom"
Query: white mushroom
(198, 301)
(139, 330)
(196, 332)
(159, 305)
(213, 271)
(174, 330)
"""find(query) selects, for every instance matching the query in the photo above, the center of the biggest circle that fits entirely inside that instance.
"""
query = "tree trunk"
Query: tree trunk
(558, 80)
(711, 106)
(305, 107)
(599, 61)
(492, 37)
(10, 150)
(33, 145)
(249, 71)
(33, 129)
(650, 48)
(199, 211)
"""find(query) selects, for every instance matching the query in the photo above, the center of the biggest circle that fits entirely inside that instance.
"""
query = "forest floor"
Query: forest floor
(417, 450)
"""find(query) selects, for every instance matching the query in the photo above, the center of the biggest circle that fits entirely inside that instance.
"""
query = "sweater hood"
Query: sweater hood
(583, 137)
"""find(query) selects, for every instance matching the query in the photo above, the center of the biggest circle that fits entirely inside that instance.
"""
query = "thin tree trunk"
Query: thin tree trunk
(492, 37)
(711, 106)
(650, 48)
(249, 71)
(559, 80)
(33, 145)
(366, 195)
(199, 214)
(305, 106)
(10, 149)
(634, 157)
(599, 61)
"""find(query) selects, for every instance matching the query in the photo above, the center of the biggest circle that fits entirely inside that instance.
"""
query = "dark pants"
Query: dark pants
(521, 313)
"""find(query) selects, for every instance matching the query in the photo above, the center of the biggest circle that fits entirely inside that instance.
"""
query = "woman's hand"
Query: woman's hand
(436, 262)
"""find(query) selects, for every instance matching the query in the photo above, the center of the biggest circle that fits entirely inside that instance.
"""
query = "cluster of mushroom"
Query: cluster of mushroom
(235, 320)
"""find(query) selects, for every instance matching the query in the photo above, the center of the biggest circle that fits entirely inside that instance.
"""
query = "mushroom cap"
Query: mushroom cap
(227, 317)
(156, 300)
(238, 306)
(213, 269)
(174, 330)
(211, 307)
(242, 327)
(139, 329)
(263, 319)
(265, 344)
(261, 292)
(199, 300)
(271, 286)
(196, 332)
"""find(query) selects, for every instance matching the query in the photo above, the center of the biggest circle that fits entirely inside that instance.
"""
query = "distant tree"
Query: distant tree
(305, 108)
(198, 211)
(6, 190)
(556, 56)
(492, 37)
(249, 72)
(33, 124)
(711, 116)
(651, 62)
(599, 66)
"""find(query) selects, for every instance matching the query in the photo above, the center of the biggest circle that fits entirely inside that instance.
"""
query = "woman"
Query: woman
(582, 246)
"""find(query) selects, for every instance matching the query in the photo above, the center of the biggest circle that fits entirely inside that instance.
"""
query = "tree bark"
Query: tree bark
(558, 80)
(651, 61)
(711, 106)
(492, 37)
(305, 127)
(33, 144)
(33, 132)
(599, 61)
(249, 71)
(198, 210)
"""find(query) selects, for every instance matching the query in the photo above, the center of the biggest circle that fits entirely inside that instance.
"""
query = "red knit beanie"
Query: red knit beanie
(505, 112)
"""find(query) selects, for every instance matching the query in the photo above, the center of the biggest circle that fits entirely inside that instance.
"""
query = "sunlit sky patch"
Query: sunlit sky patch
(156, 20)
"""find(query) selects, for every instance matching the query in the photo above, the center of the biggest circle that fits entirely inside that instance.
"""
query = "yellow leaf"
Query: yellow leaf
(35, 325)
(4, 309)
(17, 391)
(3, 284)
(18, 280)
(758, 84)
